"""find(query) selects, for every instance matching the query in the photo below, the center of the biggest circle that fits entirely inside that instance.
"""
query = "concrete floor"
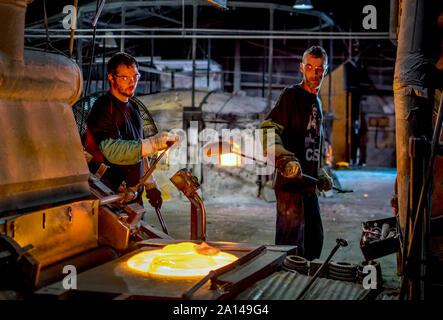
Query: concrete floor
(252, 220)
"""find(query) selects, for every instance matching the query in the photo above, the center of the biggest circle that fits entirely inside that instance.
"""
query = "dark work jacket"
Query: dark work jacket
(300, 114)
(112, 118)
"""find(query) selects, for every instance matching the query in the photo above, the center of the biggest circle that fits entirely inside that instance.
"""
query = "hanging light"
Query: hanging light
(303, 5)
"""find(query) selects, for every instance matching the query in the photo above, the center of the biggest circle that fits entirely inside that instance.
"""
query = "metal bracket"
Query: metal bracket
(101, 170)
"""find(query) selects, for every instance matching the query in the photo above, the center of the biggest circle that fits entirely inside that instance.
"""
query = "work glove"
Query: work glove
(325, 181)
(157, 143)
(292, 169)
(155, 197)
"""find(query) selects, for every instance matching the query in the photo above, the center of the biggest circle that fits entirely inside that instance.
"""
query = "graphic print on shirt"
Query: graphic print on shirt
(312, 139)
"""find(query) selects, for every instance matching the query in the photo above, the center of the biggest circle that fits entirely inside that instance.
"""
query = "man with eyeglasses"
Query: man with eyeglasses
(295, 124)
(115, 134)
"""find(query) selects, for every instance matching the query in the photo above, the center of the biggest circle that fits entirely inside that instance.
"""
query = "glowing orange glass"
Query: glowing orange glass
(184, 259)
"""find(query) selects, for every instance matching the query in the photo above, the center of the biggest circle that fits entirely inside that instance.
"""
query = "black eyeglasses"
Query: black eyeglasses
(127, 78)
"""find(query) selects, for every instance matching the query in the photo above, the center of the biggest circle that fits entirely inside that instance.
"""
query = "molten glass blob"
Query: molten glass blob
(184, 259)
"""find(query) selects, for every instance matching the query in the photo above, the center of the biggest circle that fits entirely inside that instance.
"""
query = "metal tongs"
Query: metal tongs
(130, 193)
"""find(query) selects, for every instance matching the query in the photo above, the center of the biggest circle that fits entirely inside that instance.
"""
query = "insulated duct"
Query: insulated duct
(12, 16)
(41, 154)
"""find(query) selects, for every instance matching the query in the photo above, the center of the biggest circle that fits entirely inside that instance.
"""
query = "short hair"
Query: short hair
(317, 52)
(118, 58)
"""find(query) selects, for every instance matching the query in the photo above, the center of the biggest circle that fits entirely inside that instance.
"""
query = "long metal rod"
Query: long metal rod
(229, 31)
(150, 170)
(264, 70)
(270, 61)
(110, 199)
(123, 21)
(92, 58)
(140, 36)
(194, 49)
(340, 242)
(103, 66)
(209, 64)
(117, 197)
(330, 68)
(305, 176)
(73, 26)
(202, 212)
(98, 13)
(213, 274)
(162, 221)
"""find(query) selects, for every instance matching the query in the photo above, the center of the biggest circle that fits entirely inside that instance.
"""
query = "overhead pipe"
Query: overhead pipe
(304, 33)
(209, 36)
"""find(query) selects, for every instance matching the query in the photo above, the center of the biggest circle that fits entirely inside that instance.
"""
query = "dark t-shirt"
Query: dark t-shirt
(300, 113)
(111, 118)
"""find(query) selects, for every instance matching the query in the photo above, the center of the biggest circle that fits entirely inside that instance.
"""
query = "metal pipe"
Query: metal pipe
(162, 221)
(230, 37)
(194, 49)
(94, 33)
(264, 71)
(207, 34)
(331, 64)
(73, 26)
(270, 61)
(110, 199)
(237, 68)
(209, 64)
(98, 12)
(123, 19)
(198, 218)
(183, 15)
(151, 78)
(104, 66)
(228, 31)
(340, 243)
